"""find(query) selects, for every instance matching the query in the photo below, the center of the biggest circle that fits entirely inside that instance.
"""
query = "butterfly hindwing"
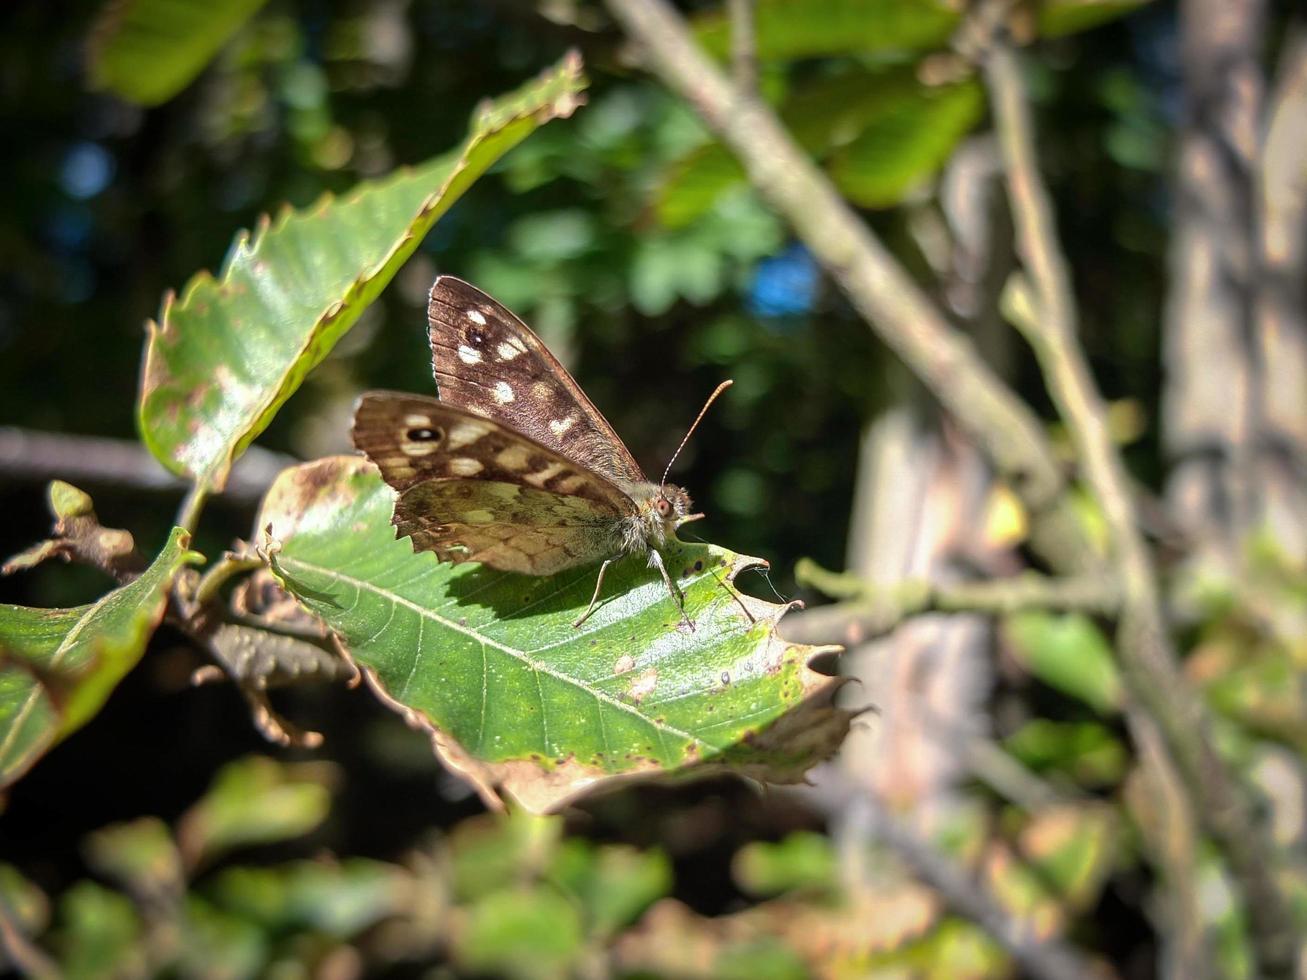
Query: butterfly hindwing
(471, 489)
(489, 362)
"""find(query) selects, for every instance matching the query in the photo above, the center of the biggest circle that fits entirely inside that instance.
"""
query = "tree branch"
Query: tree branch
(744, 53)
(1047, 959)
(1148, 658)
(26, 453)
(869, 610)
(877, 286)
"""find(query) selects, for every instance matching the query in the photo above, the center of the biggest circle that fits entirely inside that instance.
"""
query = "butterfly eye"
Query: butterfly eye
(424, 435)
(663, 506)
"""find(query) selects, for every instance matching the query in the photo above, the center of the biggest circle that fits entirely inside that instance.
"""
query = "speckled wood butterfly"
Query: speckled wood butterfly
(513, 466)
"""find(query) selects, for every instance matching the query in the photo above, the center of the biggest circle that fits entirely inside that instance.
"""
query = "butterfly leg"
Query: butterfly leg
(599, 584)
(656, 560)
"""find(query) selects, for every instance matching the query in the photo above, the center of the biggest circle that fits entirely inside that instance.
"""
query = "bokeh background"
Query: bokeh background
(600, 233)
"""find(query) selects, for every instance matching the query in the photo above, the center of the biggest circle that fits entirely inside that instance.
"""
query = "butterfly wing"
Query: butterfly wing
(471, 489)
(489, 362)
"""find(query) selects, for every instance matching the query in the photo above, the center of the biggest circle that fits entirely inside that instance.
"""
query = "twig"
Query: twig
(869, 610)
(875, 283)
(23, 954)
(744, 46)
(1148, 659)
(28, 454)
(1048, 959)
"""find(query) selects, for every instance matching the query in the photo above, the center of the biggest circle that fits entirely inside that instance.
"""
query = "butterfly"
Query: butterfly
(512, 466)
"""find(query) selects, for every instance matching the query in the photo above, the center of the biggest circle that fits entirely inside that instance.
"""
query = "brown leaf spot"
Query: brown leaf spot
(625, 663)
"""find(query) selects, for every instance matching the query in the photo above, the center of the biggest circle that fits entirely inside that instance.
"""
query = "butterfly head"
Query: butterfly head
(672, 505)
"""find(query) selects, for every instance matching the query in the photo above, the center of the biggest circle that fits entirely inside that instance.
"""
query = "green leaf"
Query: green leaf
(339, 900)
(1086, 751)
(227, 355)
(529, 933)
(785, 29)
(802, 860)
(140, 855)
(215, 944)
(1060, 17)
(1067, 652)
(1072, 846)
(613, 884)
(907, 143)
(146, 51)
(255, 801)
(22, 903)
(498, 850)
(881, 132)
(100, 934)
(59, 666)
(514, 695)
(763, 958)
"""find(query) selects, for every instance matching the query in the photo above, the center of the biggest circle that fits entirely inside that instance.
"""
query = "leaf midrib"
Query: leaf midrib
(520, 655)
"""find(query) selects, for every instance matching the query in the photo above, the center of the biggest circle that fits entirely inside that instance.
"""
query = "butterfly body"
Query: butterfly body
(512, 466)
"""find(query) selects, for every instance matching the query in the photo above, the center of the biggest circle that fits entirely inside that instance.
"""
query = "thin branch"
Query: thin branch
(744, 46)
(1148, 658)
(875, 283)
(32, 455)
(870, 610)
(1047, 959)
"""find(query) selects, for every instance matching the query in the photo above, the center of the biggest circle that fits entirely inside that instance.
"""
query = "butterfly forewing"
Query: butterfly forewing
(471, 489)
(489, 362)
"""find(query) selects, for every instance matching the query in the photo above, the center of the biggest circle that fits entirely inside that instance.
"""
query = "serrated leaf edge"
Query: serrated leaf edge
(559, 107)
(541, 789)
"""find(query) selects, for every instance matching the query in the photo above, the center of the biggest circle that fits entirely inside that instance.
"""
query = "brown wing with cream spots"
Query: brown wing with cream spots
(506, 525)
(488, 361)
(472, 490)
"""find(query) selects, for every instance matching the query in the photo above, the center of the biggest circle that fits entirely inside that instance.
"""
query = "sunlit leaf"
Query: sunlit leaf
(1072, 846)
(255, 801)
(907, 144)
(612, 884)
(801, 860)
(514, 695)
(789, 29)
(226, 355)
(1067, 652)
(880, 131)
(58, 666)
(528, 933)
(149, 50)
(339, 900)
(498, 849)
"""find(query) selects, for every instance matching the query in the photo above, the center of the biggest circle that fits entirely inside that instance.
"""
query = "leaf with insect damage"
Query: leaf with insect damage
(228, 354)
(515, 697)
(58, 666)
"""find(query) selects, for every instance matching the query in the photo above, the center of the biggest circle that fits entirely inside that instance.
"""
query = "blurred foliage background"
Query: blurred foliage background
(625, 237)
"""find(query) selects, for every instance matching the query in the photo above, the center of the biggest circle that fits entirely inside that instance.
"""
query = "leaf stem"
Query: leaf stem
(188, 516)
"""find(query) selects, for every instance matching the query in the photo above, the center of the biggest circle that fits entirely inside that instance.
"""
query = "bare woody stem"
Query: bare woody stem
(744, 61)
(877, 286)
(868, 610)
(1045, 958)
(1144, 644)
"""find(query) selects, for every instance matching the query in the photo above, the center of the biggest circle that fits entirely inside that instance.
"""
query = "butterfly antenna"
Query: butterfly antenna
(699, 418)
